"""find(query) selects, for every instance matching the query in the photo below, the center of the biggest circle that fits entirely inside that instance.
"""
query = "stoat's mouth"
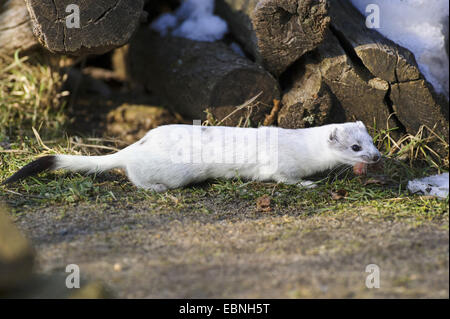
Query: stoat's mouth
(360, 168)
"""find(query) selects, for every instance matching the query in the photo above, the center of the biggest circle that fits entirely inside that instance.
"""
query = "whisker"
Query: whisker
(335, 169)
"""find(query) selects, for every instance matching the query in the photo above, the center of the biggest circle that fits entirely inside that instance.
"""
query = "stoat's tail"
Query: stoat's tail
(89, 164)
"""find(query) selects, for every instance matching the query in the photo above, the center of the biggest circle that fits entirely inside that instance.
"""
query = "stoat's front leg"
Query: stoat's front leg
(295, 181)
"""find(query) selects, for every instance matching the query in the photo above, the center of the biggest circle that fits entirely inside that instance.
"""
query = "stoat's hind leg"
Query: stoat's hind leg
(139, 180)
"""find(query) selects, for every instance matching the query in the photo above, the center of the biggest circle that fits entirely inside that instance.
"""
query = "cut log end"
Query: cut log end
(93, 28)
(276, 33)
(201, 78)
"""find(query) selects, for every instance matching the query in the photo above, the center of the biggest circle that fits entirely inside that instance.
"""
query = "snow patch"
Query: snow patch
(436, 185)
(194, 20)
(421, 26)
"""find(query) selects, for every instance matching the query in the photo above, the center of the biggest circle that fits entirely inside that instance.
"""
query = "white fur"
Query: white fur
(174, 156)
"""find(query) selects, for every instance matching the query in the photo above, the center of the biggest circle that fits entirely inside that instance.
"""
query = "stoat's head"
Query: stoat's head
(351, 143)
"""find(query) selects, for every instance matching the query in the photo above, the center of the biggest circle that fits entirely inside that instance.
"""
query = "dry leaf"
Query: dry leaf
(377, 180)
(339, 194)
(263, 203)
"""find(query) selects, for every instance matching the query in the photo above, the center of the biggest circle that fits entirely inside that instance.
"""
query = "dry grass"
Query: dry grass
(30, 95)
(425, 148)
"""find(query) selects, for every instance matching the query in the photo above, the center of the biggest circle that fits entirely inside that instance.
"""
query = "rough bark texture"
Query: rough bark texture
(276, 32)
(104, 25)
(195, 76)
(372, 78)
(362, 96)
(15, 27)
(308, 102)
(409, 95)
(336, 87)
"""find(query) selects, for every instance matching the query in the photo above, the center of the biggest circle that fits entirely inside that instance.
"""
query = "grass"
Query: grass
(30, 96)
(193, 239)
(32, 124)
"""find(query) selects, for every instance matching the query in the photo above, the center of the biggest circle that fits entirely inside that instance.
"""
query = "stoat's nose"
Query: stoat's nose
(376, 158)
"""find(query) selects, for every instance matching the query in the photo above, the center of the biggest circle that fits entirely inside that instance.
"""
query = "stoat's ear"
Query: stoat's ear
(333, 135)
(360, 124)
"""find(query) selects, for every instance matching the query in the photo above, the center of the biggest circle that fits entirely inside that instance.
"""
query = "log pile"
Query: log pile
(200, 77)
(103, 25)
(276, 32)
(316, 56)
(369, 77)
(15, 27)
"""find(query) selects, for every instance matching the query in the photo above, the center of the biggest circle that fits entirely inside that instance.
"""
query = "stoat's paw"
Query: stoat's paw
(307, 184)
(159, 188)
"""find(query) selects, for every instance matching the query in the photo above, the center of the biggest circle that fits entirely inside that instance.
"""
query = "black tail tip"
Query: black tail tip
(41, 164)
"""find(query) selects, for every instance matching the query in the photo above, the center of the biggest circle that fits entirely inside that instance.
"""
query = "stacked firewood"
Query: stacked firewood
(315, 56)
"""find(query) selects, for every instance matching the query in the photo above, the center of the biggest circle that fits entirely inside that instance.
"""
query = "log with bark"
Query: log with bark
(199, 77)
(409, 95)
(335, 86)
(104, 25)
(15, 27)
(276, 32)
(371, 79)
(308, 100)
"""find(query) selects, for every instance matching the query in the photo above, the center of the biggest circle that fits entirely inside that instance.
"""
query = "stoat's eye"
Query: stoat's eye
(356, 148)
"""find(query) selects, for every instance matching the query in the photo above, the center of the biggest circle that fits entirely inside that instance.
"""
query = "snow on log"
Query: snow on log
(15, 27)
(330, 81)
(370, 77)
(104, 24)
(413, 99)
(197, 76)
(276, 32)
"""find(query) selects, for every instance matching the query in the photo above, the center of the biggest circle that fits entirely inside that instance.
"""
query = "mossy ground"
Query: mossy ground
(212, 240)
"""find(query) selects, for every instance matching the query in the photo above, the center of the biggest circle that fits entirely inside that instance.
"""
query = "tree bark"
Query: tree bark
(361, 96)
(104, 25)
(329, 87)
(194, 77)
(15, 27)
(413, 100)
(276, 32)
(308, 102)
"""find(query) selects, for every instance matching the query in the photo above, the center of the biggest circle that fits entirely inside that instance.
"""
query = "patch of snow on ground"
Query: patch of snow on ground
(436, 185)
(421, 27)
(194, 20)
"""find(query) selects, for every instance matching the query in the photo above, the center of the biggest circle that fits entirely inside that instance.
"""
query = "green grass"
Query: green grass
(388, 201)
(30, 98)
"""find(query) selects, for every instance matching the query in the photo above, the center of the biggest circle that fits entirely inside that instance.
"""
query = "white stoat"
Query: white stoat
(174, 156)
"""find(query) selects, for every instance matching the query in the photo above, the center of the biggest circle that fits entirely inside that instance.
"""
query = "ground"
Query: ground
(222, 238)
(212, 241)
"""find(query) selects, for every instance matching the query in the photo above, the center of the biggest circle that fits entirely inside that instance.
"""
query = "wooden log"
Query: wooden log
(104, 24)
(276, 32)
(413, 99)
(337, 88)
(362, 96)
(382, 57)
(308, 102)
(15, 27)
(194, 77)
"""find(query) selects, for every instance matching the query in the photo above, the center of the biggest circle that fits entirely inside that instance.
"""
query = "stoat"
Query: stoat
(174, 156)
